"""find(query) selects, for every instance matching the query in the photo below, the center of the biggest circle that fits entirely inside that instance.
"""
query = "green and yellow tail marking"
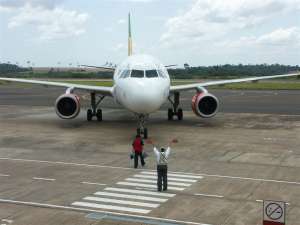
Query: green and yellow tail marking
(129, 37)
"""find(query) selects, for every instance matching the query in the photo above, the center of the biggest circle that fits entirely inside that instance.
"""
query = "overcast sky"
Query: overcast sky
(200, 32)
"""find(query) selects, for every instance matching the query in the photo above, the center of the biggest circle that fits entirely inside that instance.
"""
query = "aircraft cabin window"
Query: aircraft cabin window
(137, 73)
(125, 74)
(151, 73)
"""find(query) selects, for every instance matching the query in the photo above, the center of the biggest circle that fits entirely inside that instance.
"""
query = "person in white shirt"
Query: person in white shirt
(162, 167)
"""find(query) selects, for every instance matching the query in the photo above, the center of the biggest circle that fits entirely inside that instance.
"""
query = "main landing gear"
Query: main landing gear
(142, 130)
(175, 111)
(94, 110)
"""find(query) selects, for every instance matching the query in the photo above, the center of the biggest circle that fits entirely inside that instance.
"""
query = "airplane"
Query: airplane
(141, 85)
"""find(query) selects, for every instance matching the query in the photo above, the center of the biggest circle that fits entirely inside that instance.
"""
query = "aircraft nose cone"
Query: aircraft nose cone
(146, 99)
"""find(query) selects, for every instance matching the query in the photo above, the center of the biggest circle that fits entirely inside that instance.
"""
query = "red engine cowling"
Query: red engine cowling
(67, 106)
(205, 104)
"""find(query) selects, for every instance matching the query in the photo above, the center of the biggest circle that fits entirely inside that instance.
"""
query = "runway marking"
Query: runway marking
(184, 175)
(52, 206)
(207, 195)
(4, 175)
(147, 185)
(84, 182)
(143, 188)
(139, 192)
(178, 173)
(131, 196)
(111, 207)
(123, 202)
(154, 182)
(42, 178)
(250, 178)
(260, 200)
(169, 178)
(68, 163)
(270, 139)
(7, 221)
(111, 197)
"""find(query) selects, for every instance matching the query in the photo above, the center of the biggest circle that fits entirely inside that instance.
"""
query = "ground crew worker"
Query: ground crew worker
(138, 150)
(162, 167)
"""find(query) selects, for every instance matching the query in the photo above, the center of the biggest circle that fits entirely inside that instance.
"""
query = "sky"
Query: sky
(198, 32)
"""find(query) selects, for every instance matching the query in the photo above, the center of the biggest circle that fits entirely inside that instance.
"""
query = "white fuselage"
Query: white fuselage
(141, 84)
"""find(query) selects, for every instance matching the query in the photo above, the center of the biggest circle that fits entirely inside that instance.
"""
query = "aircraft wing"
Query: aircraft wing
(108, 91)
(177, 88)
(111, 69)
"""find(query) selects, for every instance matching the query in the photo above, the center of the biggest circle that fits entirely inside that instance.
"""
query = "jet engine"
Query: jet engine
(67, 106)
(205, 104)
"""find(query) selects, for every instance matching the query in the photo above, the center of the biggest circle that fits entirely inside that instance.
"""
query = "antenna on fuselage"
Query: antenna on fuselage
(129, 37)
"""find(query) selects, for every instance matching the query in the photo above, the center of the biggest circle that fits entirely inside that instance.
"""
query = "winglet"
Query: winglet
(129, 37)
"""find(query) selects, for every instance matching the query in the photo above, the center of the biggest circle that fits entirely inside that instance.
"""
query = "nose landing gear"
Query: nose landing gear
(94, 110)
(175, 111)
(142, 130)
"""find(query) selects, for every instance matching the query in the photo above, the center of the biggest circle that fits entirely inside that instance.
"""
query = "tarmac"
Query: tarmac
(77, 172)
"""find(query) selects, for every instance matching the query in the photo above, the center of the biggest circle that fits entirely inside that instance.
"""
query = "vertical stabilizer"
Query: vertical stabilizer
(129, 37)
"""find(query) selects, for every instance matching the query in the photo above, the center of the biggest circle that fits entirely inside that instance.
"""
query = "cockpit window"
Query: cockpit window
(137, 73)
(161, 74)
(125, 74)
(151, 73)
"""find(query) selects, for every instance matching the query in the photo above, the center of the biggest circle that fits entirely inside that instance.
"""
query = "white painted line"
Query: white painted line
(259, 200)
(67, 163)
(207, 195)
(144, 189)
(42, 178)
(51, 206)
(111, 207)
(124, 202)
(169, 178)
(174, 175)
(84, 182)
(253, 179)
(4, 175)
(7, 221)
(269, 139)
(148, 186)
(144, 198)
(154, 182)
(201, 175)
(140, 192)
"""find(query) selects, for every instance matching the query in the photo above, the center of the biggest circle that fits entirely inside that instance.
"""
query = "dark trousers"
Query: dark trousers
(136, 159)
(162, 177)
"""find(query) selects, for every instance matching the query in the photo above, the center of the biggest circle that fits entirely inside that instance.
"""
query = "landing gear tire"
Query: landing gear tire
(145, 133)
(175, 111)
(170, 114)
(89, 115)
(180, 114)
(99, 114)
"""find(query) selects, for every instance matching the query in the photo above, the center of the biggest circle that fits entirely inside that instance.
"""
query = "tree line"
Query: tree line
(222, 71)
(11, 68)
(200, 72)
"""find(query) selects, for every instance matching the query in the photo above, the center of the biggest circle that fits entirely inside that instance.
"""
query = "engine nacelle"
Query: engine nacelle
(205, 104)
(67, 106)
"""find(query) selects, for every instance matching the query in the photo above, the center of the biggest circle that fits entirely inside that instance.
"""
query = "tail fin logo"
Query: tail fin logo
(129, 37)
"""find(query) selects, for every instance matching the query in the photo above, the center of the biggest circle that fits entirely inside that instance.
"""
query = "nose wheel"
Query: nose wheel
(94, 111)
(142, 130)
(175, 111)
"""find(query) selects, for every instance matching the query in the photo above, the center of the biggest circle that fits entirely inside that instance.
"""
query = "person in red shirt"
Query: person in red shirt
(138, 150)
